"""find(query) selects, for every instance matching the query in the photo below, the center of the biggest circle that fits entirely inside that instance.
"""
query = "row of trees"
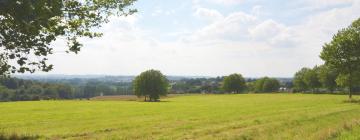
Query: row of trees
(265, 84)
(312, 80)
(196, 85)
(152, 84)
(322, 79)
(13, 89)
(342, 64)
(235, 83)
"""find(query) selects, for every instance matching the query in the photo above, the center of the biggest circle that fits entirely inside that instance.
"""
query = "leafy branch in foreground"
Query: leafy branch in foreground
(27, 27)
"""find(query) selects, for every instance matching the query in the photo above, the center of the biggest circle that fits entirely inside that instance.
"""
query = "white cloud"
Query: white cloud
(234, 26)
(274, 33)
(208, 14)
(267, 29)
(244, 27)
(316, 4)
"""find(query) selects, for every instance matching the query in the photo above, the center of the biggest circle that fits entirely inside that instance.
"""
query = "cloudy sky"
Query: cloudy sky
(212, 38)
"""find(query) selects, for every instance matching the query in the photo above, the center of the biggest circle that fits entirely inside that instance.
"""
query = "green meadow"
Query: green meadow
(241, 116)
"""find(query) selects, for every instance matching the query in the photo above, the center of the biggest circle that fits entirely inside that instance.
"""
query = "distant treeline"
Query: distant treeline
(13, 89)
(317, 80)
(214, 85)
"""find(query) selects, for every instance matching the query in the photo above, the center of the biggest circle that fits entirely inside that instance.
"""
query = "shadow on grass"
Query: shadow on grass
(154, 101)
(354, 101)
(18, 137)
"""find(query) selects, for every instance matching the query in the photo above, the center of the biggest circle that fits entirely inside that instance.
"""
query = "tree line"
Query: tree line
(322, 79)
(152, 84)
(14, 89)
(341, 71)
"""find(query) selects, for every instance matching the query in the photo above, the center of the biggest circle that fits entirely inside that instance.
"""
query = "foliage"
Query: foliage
(323, 79)
(299, 80)
(12, 89)
(311, 79)
(343, 54)
(152, 84)
(266, 84)
(27, 27)
(327, 77)
(234, 83)
(197, 85)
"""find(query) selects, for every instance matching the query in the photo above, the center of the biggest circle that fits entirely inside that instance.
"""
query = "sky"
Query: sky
(255, 38)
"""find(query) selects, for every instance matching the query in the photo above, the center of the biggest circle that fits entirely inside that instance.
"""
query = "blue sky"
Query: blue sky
(212, 38)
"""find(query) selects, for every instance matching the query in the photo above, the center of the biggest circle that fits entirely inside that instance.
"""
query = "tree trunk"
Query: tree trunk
(350, 85)
(350, 91)
(145, 98)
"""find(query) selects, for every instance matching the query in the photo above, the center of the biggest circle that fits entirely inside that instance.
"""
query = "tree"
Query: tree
(311, 79)
(151, 84)
(259, 84)
(65, 91)
(10, 83)
(342, 80)
(327, 77)
(27, 27)
(234, 83)
(299, 82)
(271, 85)
(51, 92)
(306, 79)
(266, 84)
(343, 54)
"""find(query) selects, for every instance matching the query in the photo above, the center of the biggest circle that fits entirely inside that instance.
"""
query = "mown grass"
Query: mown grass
(248, 116)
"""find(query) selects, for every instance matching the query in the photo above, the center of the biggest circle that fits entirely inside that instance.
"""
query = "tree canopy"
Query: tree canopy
(299, 82)
(266, 84)
(311, 79)
(343, 55)
(327, 77)
(234, 83)
(27, 27)
(151, 84)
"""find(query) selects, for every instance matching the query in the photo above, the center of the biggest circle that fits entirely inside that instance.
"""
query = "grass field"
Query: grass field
(247, 116)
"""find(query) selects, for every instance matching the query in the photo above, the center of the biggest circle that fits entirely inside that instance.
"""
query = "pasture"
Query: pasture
(241, 116)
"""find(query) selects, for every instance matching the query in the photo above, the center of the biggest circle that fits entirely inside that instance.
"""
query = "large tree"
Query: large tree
(343, 54)
(151, 84)
(234, 83)
(27, 27)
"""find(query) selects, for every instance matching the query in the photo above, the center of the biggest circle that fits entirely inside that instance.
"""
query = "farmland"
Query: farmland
(240, 116)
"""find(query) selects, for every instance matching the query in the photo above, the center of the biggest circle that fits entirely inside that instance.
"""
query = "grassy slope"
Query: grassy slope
(249, 116)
